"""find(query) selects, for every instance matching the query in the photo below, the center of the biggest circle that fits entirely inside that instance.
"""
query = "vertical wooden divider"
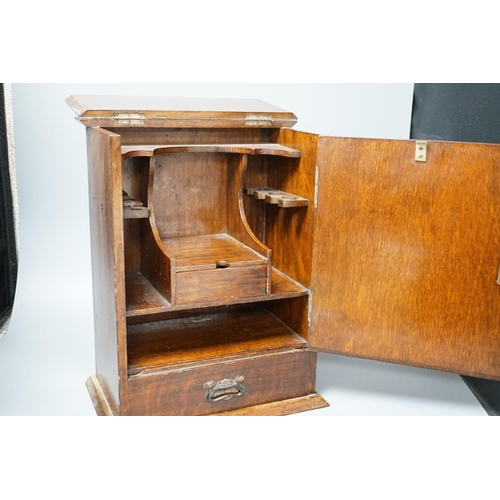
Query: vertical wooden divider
(237, 224)
(157, 265)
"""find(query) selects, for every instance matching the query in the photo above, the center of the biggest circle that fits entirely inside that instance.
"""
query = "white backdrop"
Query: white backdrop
(49, 349)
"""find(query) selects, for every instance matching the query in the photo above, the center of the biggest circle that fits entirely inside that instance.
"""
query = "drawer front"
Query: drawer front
(219, 387)
(221, 284)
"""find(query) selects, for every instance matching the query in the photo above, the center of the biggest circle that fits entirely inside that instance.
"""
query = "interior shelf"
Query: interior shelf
(275, 197)
(133, 209)
(155, 346)
(247, 149)
(143, 299)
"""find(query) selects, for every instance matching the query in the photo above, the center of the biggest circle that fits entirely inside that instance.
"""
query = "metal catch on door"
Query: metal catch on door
(421, 151)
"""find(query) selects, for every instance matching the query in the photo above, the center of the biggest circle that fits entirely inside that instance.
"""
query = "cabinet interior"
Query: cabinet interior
(202, 238)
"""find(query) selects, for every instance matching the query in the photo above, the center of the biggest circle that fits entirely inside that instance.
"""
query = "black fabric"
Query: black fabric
(8, 254)
(465, 112)
(487, 393)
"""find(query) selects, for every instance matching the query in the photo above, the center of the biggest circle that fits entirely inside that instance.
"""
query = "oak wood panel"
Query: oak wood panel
(154, 346)
(93, 105)
(177, 112)
(293, 311)
(98, 397)
(132, 248)
(230, 284)
(276, 408)
(156, 263)
(135, 176)
(203, 252)
(255, 174)
(280, 408)
(406, 254)
(142, 295)
(136, 212)
(149, 136)
(186, 312)
(289, 232)
(275, 197)
(269, 377)
(131, 151)
(144, 302)
(170, 361)
(108, 269)
(189, 194)
(237, 223)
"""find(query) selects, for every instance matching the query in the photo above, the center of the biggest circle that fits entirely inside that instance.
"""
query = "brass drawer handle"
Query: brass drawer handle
(224, 390)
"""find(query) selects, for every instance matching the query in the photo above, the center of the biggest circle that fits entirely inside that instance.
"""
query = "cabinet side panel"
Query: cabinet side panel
(406, 254)
(106, 222)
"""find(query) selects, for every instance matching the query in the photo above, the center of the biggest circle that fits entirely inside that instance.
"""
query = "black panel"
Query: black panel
(8, 254)
(466, 112)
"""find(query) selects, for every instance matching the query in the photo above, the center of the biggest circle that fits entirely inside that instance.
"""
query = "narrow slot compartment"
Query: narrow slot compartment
(153, 347)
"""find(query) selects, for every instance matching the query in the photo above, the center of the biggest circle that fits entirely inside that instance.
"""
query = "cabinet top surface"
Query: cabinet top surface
(103, 110)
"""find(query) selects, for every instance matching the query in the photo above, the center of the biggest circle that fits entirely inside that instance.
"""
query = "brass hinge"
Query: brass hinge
(316, 187)
(258, 120)
(126, 119)
(310, 308)
(421, 151)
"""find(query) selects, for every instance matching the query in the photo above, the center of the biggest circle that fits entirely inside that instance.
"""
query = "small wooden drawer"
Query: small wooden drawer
(224, 282)
(220, 387)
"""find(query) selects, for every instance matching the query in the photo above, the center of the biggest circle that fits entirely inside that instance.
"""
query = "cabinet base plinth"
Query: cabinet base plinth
(99, 400)
(278, 408)
(281, 408)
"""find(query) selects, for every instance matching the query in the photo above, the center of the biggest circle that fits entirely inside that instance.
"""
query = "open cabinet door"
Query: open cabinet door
(406, 254)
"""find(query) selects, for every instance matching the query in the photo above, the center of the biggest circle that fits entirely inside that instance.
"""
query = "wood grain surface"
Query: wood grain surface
(154, 346)
(137, 111)
(108, 268)
(406, 254)
(269, 377)
(144, 300)
(170, 361)
(132, 151)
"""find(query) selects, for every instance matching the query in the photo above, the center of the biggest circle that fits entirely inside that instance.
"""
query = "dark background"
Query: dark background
(8, 256)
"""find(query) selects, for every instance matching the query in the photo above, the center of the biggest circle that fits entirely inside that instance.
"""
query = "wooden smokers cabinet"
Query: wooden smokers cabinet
(227, 249)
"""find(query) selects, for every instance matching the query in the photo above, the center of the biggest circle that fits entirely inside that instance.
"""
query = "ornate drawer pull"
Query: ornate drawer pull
(224, 390)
